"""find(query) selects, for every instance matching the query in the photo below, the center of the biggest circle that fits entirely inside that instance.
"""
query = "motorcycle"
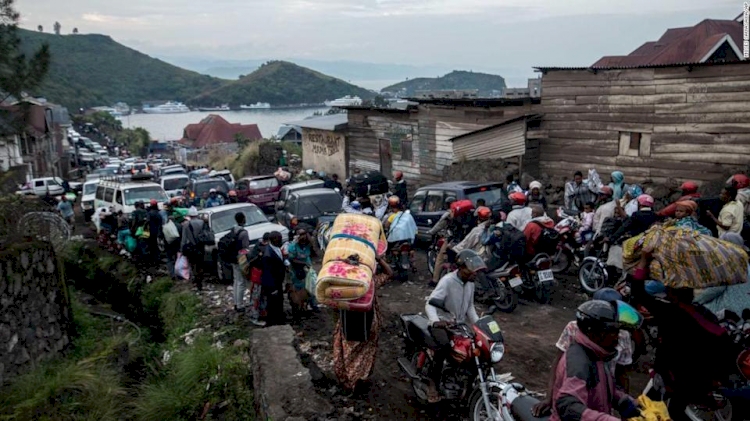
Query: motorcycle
(503, 286)
(400, 258)
(467, 371)
(568, 248)
(593, 274)
(434, 249)
(538, 277)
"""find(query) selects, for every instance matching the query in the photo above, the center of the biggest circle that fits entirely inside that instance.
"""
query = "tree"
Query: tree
(241, 140)
(57, 28)
(75, 31)
(40, 28)
(19, 72)
(380, 101)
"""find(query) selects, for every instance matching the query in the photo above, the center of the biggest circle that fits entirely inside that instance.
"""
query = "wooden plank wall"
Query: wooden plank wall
(698, 121)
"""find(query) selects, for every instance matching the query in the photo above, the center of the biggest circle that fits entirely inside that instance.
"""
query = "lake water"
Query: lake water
(171, 126)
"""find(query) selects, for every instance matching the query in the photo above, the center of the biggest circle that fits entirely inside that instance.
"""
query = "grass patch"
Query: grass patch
(179, 312)
(201, 376)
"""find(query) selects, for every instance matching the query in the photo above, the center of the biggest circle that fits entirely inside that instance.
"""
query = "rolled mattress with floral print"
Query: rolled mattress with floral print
(353, 234)
(342, 281)
(363, 303)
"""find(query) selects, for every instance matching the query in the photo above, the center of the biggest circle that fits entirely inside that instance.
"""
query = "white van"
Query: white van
(174, 184)
(88, 196)
(122, 193)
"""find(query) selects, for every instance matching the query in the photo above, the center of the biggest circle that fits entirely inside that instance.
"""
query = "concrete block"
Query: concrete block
(283, 386)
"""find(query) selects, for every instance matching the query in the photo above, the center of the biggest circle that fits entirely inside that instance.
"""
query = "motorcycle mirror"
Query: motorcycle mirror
(436, 302)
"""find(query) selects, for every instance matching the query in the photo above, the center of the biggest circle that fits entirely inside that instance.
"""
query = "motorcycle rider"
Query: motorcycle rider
(584, 386)
(456, 292)
(400, 225)
(534, 229)
(606, 208)
(399, 187)
(447, 220)
(474, 240)
(521, 214)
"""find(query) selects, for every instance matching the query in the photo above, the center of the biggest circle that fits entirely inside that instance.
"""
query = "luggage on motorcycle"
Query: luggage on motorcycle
(548, 241)
(370, 183)
(462, 208)
(356, 325)
(682, 258)
(510, 245)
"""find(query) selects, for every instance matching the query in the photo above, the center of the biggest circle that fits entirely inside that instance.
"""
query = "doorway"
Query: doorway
(385, 157)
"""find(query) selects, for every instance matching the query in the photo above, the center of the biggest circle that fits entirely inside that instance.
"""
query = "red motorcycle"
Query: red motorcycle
(467, 372)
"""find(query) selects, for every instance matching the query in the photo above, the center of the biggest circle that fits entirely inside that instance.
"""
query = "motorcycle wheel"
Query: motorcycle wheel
(431, 259)
(507, 301)
(592, 276)
(477, 411)
(420, 389)
(561, 262)
(543, 293)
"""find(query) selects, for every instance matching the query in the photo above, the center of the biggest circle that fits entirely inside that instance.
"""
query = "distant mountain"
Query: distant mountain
(457, 79)
(91, 70)
(280, 83)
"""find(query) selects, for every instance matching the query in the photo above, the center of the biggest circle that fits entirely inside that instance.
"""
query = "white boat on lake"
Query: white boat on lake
(223, 107)
(167, 108)
(345, 101)
(256, 106)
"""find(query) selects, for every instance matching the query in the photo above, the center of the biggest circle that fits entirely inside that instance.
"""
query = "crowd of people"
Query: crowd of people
(589, 376)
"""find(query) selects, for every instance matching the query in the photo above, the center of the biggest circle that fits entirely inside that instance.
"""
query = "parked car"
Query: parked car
(196, 188)
(262, 190)
(88, 198)
(172, 170)
(427, 205)
(295, 187)
(174, 184)
(226, 175)
(309, 205)
(40, 187)
(122, 193)
(221, 220)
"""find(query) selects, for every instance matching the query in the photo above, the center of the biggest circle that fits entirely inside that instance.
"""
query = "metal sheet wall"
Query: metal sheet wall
(503, 142)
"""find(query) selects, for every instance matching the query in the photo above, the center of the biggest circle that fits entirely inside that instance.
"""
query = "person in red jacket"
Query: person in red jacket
(689, 192)
(533, 229)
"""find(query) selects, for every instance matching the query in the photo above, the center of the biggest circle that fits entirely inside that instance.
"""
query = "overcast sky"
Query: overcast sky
(464, 34)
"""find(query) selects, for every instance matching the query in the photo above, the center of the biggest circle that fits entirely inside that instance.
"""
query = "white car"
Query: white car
(174, 184)
(221, 220)
(88, 197)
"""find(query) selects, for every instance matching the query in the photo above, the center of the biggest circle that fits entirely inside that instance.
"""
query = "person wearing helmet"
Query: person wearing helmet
(446, 222)
(739, 181)
(520, 215)
(618, 364)
(534, 230)
(399, 187)
(394, 207)
(732, 215)
(473, 240)
(454, 296)
(232, 196)
(400, 224)
(214, 199)
(605, 209)
(639, 222)
(689, 192)
(584, 384)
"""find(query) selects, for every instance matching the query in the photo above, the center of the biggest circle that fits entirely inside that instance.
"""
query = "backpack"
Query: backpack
(229, 246)
(548, 241)
(511, 245)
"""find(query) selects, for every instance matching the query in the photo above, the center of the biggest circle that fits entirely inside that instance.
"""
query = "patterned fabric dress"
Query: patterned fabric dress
(354, 361)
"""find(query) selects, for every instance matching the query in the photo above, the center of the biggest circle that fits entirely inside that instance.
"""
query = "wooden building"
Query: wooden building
(420, 141)
(651, 122)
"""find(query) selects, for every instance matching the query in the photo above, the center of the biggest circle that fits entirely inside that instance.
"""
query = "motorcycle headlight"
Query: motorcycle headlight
(496, 352)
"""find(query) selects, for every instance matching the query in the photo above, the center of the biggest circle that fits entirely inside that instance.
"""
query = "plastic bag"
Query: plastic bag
(182, 267)
(130, 244)
(595, 182)
(143, 232)
(170, 231)
(652, 410)
(311, 280)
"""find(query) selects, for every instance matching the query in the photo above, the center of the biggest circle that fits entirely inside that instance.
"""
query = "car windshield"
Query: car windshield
(491, 194)
(206, 186)
(263, 183)
(224, 220)
(319, 204)
(175, 183)
(90, 188)
(145, 194)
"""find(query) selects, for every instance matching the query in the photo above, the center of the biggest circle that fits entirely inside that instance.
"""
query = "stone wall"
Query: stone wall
(35, 318)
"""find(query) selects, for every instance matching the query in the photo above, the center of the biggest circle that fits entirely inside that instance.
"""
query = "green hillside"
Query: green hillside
(457, 79)
(279, 83)
(92, 70)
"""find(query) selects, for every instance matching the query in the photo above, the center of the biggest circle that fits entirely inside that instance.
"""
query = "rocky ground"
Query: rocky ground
(530, 334)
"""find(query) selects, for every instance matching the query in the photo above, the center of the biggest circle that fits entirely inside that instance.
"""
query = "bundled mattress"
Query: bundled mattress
(350, 260)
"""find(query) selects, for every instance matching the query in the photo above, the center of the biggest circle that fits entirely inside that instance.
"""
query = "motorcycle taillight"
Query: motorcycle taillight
(405, 247)
(440, 243)
(544, 264)
(515, 272)
(743, 363)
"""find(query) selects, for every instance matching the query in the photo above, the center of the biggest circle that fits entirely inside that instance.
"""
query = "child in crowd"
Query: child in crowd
(586, 232)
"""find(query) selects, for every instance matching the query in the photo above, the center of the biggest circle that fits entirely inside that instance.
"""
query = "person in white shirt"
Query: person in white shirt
(521, 214)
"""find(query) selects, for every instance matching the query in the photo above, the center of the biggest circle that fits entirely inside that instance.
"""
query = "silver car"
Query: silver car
(221, 220)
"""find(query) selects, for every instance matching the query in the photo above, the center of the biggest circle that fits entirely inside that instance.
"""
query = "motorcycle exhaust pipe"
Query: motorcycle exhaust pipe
(408, 368)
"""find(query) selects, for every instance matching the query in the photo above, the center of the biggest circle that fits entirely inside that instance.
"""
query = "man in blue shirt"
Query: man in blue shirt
(66, 210)
(214, 199)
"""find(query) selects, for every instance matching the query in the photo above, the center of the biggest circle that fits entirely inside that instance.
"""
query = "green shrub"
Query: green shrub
(153, 294)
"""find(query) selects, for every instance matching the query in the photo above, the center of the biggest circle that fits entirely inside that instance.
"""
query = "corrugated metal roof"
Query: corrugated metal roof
(329, 122)
(475, 102)
(648, 66)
